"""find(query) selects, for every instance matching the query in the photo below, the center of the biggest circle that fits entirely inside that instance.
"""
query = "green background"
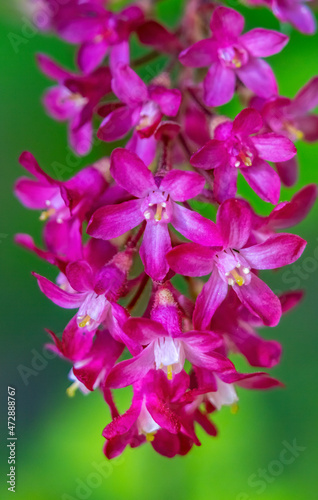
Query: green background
(59, 439)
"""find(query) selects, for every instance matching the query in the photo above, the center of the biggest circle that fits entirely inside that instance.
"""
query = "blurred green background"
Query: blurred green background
(59, 441)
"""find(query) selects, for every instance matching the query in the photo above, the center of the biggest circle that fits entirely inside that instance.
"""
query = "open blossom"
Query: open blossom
(155, 202)
(73, 100)
(230, 54)
(100, 32)
(234, 265)
(141, 107)
(235, 148)
(167, 346)
(135, 322)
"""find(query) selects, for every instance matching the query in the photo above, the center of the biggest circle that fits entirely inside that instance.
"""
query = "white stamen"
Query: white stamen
(238, 265)
(249, 154)
(164, 204)
(237, 164)
(47, 203)
(147, 215)
(59, 220)
(245, 270)
(231, 282)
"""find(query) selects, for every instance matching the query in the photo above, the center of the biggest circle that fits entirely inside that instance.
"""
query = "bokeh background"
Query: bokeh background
(59, 439)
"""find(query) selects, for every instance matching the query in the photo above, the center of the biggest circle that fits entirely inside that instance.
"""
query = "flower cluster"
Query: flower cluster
(162, 295)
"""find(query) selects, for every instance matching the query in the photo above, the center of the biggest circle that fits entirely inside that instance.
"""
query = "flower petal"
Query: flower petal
(225, 183)
(226, 24)
(169, 100)
(57, 295)
(155, 245)
(114, 220)
(258, 76)
(263, 43)
(80, 276)
(274, 147)
(260, 300)
(128, 86)
(91, 55)
(116, 124)
(296, 210)
(219, 85)
(277, 251)
(182, 185)
(288, 171)
(212, 155)
(200, 54)
(234, 220)
(191, 259)
(263, 180)
(195, 227)
(212, 295)
(131, 370)
(130, 172)
(144, 330)
(249, 121)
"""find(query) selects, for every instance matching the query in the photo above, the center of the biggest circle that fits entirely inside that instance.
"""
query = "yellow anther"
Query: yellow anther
(239, 279)
(150, 436)
(169, 372)
(294, 131)
(84, 321)
(245, 159)
(234, 408)
(237, 63)
(70, 391)
(47, 214)
(158, 214)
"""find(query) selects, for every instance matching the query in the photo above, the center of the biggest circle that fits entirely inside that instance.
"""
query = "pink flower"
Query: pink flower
(234, 265)
(155, 202)
(234, 147)
(230, 54)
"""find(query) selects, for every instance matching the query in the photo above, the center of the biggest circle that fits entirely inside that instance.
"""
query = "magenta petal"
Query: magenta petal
(214, 361)
(274, 147)
(32, 194)
(162, 414)
(200, 54)
(155, 245)
(212, 155)
(288, 171)
(277, 251)
(234, 220)
(182, 185)
(194, 227)
(130, 172)
(144, 330)
(307, 98)
(91, 55)
(191, 259)
(128, 86)
(168, 100)
(58, 104)
(123, 423)
(219, 85)
(308, 125)
(225, 183)
(28, 161)
(259, 381)
(294, 212)
(258, 76)
(131, 370)
(212, 295)
(263, 43)
(117, 124)
(59, 296)
(263, 180)
(114, 220)
(81, 139)
(297, 14)
(80, 276)
(51, 69)
(258, 352)
(226, 23)
(247, 122)
(119, 55)
(260, 300)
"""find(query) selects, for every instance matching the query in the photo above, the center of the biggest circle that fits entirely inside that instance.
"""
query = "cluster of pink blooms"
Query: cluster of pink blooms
(124, 234)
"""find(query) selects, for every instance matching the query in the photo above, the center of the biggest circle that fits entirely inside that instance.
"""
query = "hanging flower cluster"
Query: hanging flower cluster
(163, 295)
